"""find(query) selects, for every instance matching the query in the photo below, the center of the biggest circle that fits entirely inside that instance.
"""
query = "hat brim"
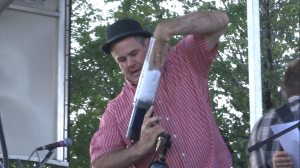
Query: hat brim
(106, 46)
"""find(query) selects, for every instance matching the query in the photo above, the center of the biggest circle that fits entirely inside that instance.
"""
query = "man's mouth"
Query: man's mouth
(136, 72)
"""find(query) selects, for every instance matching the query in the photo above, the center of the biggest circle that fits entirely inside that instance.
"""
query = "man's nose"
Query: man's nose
(130, 61)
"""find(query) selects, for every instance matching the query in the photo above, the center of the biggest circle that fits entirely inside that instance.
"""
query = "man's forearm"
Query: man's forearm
(127, 157)
(209, 24)
(203, 22)
(123, 158)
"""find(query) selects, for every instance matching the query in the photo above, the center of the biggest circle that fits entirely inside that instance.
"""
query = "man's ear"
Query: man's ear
(147, 41)
(113, 56)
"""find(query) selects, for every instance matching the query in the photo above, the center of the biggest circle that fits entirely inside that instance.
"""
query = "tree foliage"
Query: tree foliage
(96, 78)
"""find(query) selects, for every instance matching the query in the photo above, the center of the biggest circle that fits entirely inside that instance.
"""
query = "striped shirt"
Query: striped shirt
(183, 102)
(262, 158)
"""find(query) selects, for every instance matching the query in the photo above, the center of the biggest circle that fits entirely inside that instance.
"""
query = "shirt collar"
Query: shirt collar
(294, 102)
(132, 85)
(293, 98)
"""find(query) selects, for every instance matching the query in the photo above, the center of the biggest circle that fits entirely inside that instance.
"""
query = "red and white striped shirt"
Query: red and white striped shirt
(183, 102)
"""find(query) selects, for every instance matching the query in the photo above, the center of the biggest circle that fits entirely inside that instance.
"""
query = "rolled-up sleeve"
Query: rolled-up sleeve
(107, 138)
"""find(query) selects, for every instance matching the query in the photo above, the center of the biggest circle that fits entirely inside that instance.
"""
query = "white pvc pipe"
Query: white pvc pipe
(255, 91)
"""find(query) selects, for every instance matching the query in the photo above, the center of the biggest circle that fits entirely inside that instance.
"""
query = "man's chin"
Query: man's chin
(133, 79)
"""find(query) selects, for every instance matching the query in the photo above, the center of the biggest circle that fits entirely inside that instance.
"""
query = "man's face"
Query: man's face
(130, 55)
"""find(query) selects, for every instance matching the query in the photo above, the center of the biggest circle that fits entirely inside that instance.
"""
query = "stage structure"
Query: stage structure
(34, 75)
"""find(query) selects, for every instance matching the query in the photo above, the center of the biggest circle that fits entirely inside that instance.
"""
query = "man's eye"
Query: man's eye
(121, 59)
(134, 54)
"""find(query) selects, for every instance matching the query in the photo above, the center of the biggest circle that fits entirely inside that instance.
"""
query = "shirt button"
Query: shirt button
(175, 135)
(159, 101)
(183, 154)
(167, 118)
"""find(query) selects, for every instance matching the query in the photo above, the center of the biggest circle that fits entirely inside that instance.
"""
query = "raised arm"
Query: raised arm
(209, 24)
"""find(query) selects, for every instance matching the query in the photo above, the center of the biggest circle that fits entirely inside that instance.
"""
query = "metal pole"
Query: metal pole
(255, 92)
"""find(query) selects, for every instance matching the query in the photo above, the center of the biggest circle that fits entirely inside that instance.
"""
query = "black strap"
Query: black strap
(285, 113)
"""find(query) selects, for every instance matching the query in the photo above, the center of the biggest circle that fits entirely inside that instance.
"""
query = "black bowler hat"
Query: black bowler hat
(121, 29)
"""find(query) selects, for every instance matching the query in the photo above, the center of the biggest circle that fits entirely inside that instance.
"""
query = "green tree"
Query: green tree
(278, 22)
(96, 78)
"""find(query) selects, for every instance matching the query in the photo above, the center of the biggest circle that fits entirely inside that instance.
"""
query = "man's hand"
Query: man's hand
(129, 156)
(282, 160)
(149, 132)
(160, 47)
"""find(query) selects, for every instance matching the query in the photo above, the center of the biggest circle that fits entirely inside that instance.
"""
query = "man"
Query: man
(182, 103)
(271, 154)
